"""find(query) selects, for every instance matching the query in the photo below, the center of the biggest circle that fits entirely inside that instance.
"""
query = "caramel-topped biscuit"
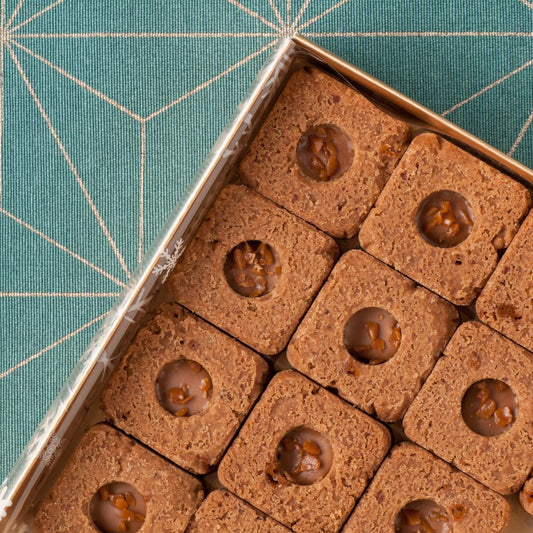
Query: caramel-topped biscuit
(183, 377)
(476, 408)
(443, 217)
(324, 152)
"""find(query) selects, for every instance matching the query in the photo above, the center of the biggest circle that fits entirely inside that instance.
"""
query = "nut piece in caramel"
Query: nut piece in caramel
(252, 269)
(183, 387)
(117, 507)
(422, 516)
(489, 407)
(303, 456)
(372, 335)
(445, 219)
(324, 152)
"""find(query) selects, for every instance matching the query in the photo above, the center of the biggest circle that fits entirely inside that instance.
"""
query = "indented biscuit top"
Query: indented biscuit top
(324, 152)
(373, 335)
(192, 379)
(110, 477)
(442, 218)
(476, 408)
(414, 488)
(252, 269)
(304, 456)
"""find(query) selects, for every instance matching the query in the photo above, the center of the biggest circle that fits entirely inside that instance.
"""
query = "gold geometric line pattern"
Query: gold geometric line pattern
(33, 17)
(73, 169)
(53, 345)
(300, 14)
(326, 12)
(142, 35)
(14, 14)
(62, 247)
(79, 82)
(416, 34)
(213, 79)
(253, 14)
(488, 87)
(276, 12)
(289, 7)
(59, 294)
(518, 140)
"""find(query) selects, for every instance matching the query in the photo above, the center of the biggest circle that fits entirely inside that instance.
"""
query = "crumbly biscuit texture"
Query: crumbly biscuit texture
(338, 206)
(409, 474)
(432, 164)
(435, 419)
(506, 302)
(223, 512)
(305, 254)
(358, 443)
(237, 375)
(425, 321)
(103, 456)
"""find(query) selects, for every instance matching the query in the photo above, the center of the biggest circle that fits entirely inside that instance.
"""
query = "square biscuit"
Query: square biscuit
(358, 284)
(337, 206)
(252, 467)
(305, 256)
(236, 376)
(106, 456)
(438, 421)
(430, 166)
(222, 511)
(410, 474)
(506, 302)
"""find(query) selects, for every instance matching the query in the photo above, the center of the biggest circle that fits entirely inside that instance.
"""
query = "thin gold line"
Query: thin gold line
(142, 35)
(51, 346)
(14, 14)
(488, 87)
(141, 191)
(276, 12)
(289, 6)
(33, 17)
(59, 294)
(518, 140)
(70, 164)
(303, 9)
(82, 84)
(3, 14)
(318, 17)
(418, 34)
(248, 11)
(212, 80)
(62, 247)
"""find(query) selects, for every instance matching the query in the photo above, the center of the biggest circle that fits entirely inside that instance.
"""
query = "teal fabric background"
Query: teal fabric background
(107, 108)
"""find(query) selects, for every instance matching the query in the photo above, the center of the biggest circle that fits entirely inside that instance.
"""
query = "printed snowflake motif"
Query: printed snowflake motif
(4, 501)
(137, 306)
(170, 260)
(48, 454)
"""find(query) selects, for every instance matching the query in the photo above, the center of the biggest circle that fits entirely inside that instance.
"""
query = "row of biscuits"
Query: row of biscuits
(304, 456)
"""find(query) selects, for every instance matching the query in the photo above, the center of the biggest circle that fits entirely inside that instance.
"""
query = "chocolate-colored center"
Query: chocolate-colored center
(324, 152)
(372, 335)
(183, 387)
(489, 407)
(304, 456)
(117, 507)
(423, 516)
(445, 219)
(252, 269)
